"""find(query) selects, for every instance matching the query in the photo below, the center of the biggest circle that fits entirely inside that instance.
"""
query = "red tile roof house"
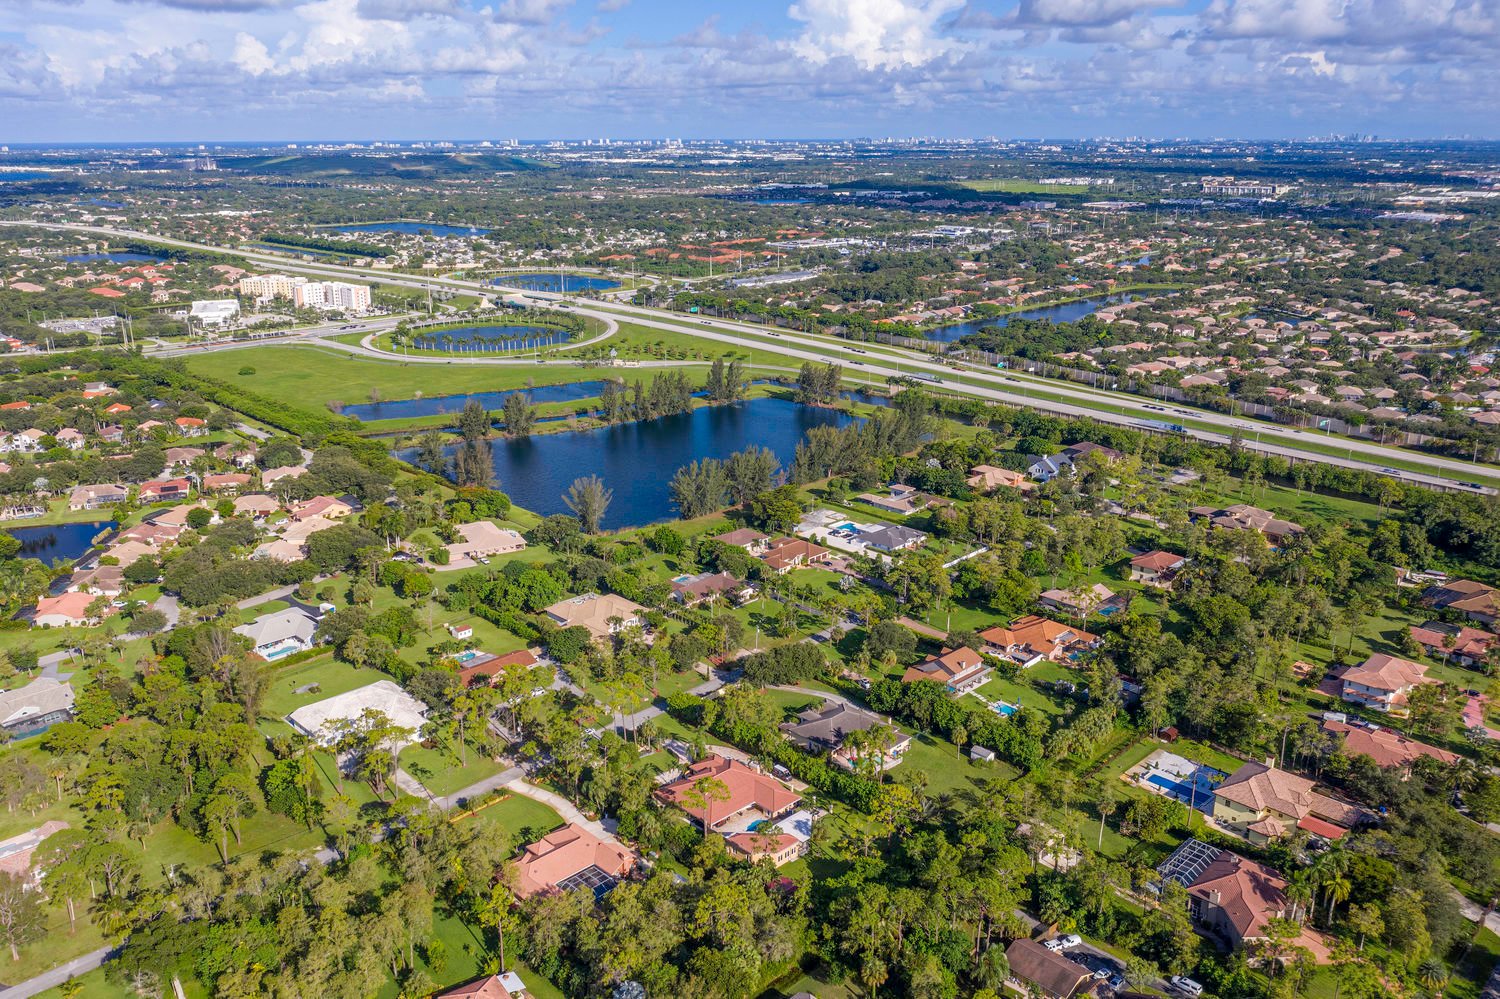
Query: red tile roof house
(506, 985)
(489, 666)
(786, 554)
(1468, 646)
(1157, 568)
(1033, 638)
(1387, 747)
(563, 854)
(771, 844)
(751, 795)
(960, 670)
(65, 609)
(158, 490)
(1236, 898)
(1381, 682)
(191, 426)
(228, 482)
(753, 542)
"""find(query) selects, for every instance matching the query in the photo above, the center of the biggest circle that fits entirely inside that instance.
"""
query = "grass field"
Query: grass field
(1011, 185)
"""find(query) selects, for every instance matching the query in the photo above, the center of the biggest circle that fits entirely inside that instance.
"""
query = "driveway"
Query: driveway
(1474, 717)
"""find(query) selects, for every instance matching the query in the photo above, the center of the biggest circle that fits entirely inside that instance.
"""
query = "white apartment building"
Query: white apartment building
(332, 296)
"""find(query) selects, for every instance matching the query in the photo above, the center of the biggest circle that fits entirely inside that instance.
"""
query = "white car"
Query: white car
(1185, 985)
(1071, 940)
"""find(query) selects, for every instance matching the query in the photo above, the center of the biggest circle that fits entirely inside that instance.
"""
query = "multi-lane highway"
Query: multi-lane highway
(1014, 388)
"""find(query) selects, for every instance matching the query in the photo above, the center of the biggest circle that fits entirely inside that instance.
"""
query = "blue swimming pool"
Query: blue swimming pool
(1197, 790)
(1004, 709)
(1108, 609)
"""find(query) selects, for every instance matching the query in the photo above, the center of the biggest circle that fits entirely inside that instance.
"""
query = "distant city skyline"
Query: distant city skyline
(302, 70)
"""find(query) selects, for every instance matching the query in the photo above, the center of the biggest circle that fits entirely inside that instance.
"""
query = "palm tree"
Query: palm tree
(1433, 974)
(588, 499)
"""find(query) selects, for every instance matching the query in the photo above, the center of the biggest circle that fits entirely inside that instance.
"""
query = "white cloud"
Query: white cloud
(875, 34)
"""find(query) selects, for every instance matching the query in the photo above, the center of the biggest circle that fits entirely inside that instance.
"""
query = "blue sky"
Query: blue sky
(117, 70)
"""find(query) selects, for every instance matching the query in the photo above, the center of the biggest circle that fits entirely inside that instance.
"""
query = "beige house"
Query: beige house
(1262, 803)
(603, 615)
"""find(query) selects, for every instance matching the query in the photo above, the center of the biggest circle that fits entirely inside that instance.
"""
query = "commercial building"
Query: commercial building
(214, 313)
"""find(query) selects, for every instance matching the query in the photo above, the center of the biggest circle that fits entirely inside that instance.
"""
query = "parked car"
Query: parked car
(1071, 940)
(1184, 985)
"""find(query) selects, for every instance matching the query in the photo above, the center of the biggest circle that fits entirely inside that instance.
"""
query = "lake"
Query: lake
(438, 405)
(413, 228)
(21, 175)
(637, 460)
(493, 338)
(114, 258)
(1067, 312)
(54, 543)
(558, 283)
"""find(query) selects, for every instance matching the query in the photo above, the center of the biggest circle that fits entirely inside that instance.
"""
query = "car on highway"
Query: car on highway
(1471, 485)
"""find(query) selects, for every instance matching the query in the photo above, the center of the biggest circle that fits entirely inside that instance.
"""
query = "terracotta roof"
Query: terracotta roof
(1383, 672)
(747, 788)
(740, 537)
(1158, 561)
(564, 852)
(1388, 748)
(946, 668)
(1037, 634)
(1249, 894)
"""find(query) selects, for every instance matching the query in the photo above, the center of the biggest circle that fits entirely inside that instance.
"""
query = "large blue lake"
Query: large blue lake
(21, 175)
(120, 257)
(1067, 312)
(480, 339)
(637, 460)
(54, 543)
(558, 283)
(413, 228)
(438, 405)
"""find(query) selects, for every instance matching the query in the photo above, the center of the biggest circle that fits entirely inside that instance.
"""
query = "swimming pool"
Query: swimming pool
(1197, 790)
(467, 654)
(1004, 709)
(1108, 609)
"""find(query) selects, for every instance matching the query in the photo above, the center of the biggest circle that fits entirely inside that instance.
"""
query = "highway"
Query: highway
(879, 361)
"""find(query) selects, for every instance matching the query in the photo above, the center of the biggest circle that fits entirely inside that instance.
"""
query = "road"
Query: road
(1011, 388)
(56, 976)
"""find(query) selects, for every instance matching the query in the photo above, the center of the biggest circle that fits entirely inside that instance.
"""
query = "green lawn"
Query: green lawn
(1011, 185)
(440, 773)
(947, 770)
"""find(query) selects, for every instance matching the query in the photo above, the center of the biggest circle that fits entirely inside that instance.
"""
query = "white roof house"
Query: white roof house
(280, 634)
(41, 702)
(313, 720)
